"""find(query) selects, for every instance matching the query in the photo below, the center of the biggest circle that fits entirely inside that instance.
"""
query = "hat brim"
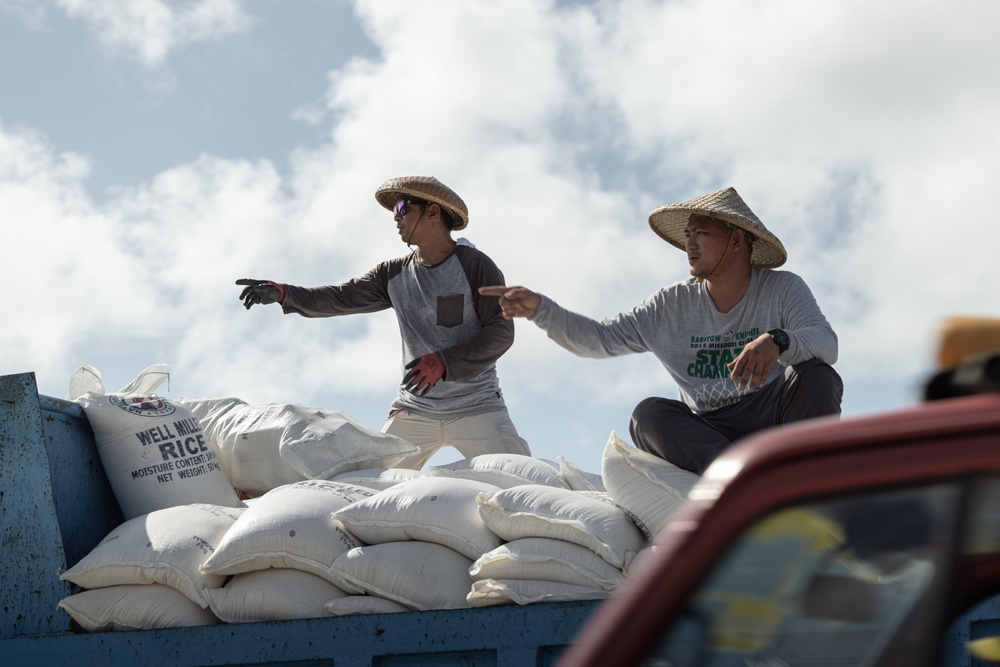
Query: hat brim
(670, 221)
(427, 189)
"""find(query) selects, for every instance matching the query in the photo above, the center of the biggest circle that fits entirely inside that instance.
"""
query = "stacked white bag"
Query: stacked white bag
(378, 479)
(147, 572)
(586, 519)
(280, 553)
(649, 488)
(421, 537)
(152, 449)
(503, 470)
(334, 529)
(262, 447)
(175, 562)
(531, 562)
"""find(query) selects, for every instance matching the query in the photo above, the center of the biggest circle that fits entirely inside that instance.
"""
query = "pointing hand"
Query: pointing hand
(515, 301)
(260, 291)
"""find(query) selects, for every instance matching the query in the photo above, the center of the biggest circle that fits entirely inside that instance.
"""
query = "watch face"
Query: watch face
(780, 339)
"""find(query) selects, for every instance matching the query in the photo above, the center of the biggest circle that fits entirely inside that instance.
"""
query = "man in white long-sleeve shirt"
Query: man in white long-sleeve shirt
(747, 346)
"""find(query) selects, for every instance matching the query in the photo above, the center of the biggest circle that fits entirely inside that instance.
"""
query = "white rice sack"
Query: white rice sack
(322, 443)
(166, 547)
(586, 518)
(379, 479)
(491, 592)
(361, 604)
(503, 470)
(249, 457)
(154, 452)
(648, 487)
(135, 607)
(275, 594)
(314, 443)
(417, 575)
(430, 509)
(546, 559)
(579, 479)
(292, 526)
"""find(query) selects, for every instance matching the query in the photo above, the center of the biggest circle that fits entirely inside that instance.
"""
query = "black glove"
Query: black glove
(424, 373)
(260, 291)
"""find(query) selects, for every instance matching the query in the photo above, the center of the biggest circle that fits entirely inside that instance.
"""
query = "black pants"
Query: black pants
(669, 429)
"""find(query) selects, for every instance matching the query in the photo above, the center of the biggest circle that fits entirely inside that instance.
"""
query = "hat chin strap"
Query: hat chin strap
(729, 244)
(414, 230)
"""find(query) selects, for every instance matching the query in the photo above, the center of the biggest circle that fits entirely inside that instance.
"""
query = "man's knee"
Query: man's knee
(644, 410)
(822, 379)
(654, 409)
(817, 390)
(670, 430)
(646, 424)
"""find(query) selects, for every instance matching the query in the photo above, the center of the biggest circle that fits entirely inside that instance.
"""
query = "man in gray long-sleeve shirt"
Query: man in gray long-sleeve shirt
(718, 334)
(451, 336)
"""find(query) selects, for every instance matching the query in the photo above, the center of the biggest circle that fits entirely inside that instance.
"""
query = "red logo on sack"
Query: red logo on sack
(143, 406)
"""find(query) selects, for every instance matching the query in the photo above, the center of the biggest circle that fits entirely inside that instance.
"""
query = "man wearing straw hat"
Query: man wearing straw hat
(747, 346)
(452, 336)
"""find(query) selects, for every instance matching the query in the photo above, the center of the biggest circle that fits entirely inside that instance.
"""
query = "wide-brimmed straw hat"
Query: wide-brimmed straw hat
(427, 188)
(670, 220)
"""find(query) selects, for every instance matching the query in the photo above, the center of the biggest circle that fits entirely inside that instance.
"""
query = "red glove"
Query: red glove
(424, 373)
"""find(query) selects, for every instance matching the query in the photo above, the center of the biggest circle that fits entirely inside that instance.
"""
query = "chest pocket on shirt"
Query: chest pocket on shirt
(450, 310)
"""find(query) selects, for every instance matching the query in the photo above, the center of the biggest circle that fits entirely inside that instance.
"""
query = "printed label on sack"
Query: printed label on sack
(181, 446)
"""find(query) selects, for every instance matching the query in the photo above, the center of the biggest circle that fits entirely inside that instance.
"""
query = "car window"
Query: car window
(837, 582)
(982, 529)
(980, 540)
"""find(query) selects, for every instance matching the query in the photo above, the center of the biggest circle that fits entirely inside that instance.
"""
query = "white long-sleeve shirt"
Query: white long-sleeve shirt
(682, 327)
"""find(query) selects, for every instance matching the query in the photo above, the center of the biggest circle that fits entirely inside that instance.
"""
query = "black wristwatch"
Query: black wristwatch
(780, 339)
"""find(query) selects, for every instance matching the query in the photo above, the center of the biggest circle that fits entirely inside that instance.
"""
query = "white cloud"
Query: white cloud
(151, 29)
(863, 135)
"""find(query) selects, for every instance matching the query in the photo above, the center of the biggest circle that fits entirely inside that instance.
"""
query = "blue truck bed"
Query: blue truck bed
(56, 504)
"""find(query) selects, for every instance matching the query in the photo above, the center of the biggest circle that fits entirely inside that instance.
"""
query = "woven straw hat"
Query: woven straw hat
(427, 188)
(670, 220)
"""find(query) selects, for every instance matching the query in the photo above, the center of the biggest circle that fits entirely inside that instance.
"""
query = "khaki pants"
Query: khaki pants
(490, 433)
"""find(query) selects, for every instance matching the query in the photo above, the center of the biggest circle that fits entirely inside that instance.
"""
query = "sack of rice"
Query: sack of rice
(547, 559)
(578, 478)
(274, 594)
(153, 449)
(503, 470)
(135, 607)
(292, 526)
(167, 547)
(587, 518)
(491, 592)
(431, 509)
(648, 487)
(267, 445)
(417, 575)
(379, 479)
(362, 604)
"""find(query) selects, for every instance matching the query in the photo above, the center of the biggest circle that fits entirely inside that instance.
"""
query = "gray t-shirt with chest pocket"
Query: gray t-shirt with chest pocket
(438, 309)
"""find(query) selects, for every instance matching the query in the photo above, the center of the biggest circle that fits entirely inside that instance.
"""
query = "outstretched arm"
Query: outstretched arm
(579, 334)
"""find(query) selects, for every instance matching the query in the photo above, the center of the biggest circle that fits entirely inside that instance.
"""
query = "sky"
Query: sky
(152, 152)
